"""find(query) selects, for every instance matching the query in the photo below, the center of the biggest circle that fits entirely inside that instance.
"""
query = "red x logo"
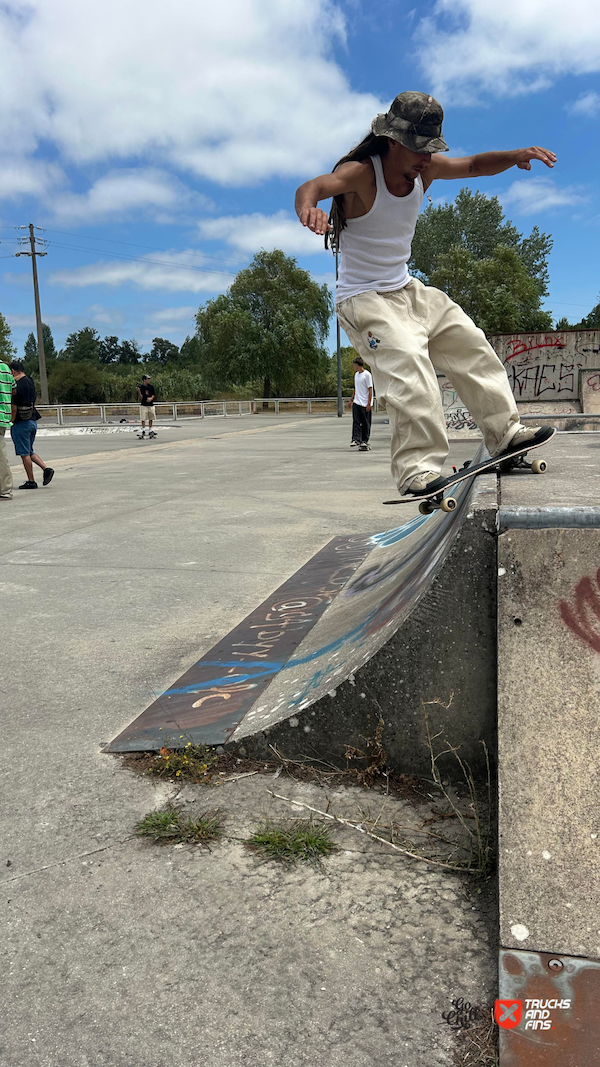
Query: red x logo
(508, 1013)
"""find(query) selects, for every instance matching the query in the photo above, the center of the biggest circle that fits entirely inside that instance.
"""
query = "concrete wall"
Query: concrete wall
(549, 740)
(446, 645)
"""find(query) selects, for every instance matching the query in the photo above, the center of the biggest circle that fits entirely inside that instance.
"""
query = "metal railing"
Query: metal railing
(103, 414)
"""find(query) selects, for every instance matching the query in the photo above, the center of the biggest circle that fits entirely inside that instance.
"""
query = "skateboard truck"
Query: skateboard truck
(519, 463)
(437, 503)
(448, 503)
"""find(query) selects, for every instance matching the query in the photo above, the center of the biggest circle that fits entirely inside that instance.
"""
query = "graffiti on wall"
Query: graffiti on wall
(583, 616)
(456, 414)
(546, 366)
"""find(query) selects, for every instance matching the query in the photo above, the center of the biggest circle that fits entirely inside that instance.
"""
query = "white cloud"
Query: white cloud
(586, 104)
(249, 233)
(472, 45)
(168, 315)
(119, 192)
(530, 196)
(28, 177)
(236, 91)
(165, 270)
(27, 322)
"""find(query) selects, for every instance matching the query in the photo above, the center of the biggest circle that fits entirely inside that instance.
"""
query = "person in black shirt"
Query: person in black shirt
(24, 427)
(146, 394)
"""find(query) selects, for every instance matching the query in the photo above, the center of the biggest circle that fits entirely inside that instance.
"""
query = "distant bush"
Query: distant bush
(74, 383)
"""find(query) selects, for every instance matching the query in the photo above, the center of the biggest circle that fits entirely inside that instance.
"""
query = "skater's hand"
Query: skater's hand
(527, 154)
(315, 219)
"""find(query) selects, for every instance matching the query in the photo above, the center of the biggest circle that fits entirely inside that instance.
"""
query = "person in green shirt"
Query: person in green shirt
(6, 387)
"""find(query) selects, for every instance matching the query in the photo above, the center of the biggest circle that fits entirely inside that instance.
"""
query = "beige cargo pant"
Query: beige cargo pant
(6, 480)
(405, 336)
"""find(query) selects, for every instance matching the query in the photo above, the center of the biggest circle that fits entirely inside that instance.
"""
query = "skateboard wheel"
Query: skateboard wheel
(448, 503)
(425, 508)
(539, 466)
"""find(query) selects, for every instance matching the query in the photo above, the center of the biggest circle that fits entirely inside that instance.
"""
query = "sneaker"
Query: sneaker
(29, 485)
(354, 444)
(152, 434)
(420, 483)
(141, 435)
(48, 476)
(522, 437)
(6, 496)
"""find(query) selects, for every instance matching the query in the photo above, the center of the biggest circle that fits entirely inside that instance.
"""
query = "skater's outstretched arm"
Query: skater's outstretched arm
(486, 163)
(347, 178)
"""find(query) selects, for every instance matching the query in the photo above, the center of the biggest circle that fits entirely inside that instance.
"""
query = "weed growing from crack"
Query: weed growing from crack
(301, 840)
(192, 763)
(172, 826)
(480, 861)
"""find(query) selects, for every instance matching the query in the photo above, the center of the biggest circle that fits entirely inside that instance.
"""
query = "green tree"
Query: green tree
(31, 361)
(497, 292)
(474, 225)
(588, 322)
(7, 349)
(74, 383)
(82, 346)
(130, 352)
(271, 325)
(109, 350)
(162, 352)
(190, 352)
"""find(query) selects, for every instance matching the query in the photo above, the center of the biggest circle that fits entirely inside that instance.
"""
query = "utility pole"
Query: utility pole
(340, 401)
(38, 315)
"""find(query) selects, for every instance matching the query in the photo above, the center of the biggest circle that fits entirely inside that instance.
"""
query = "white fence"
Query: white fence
(103, 414)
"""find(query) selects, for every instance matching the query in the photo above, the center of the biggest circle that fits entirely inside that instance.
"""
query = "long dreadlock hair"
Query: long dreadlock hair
(369, 146)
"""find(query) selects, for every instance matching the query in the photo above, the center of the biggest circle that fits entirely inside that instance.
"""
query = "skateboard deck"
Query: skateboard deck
(435, 499)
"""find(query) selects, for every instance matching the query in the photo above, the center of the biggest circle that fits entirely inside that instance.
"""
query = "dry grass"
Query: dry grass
(477, 1046)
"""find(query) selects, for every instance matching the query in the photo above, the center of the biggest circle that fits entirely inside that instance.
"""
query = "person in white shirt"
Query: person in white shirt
(362, 402)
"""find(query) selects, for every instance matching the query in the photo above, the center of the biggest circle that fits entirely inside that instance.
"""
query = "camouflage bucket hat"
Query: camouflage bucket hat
(415, 120)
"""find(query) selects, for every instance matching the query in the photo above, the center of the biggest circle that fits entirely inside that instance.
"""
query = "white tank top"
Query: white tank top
(375, 248)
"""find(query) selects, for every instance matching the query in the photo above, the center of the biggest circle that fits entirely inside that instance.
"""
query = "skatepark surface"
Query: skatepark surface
(134, 562)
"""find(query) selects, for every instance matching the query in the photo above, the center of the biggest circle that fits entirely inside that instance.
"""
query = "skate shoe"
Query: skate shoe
(420, 483)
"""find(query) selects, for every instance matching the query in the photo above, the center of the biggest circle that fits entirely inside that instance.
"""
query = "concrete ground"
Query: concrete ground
(134, 561)
(572, 478)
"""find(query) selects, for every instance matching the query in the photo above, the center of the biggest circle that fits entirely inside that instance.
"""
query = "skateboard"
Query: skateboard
(434, 499)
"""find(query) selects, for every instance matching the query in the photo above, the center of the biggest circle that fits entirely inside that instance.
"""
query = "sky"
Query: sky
(158, 146)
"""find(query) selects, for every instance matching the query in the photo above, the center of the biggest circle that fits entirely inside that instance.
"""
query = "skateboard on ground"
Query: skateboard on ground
(434, 499)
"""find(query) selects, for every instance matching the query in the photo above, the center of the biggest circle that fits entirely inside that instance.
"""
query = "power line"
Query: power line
(128, 244)
(144, 259)
(135, 244)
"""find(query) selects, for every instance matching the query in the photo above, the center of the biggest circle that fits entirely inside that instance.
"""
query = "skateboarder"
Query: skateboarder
(407, 330)
(361, 403)
(146, 394)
